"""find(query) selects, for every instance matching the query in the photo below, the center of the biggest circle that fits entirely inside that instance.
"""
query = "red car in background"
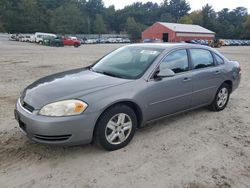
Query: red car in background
(71, 41)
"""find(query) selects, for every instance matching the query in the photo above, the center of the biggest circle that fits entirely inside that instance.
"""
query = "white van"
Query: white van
(39, 36)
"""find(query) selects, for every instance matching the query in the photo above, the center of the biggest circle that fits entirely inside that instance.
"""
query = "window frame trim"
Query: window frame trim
(191, 62)
(151, 77)
(215, 60)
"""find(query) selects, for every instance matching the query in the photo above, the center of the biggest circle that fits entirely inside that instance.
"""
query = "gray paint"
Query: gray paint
(155, 98)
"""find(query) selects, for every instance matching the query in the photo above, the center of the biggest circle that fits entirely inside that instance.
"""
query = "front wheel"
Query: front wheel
(76, 45)
(221, 99)
(116, 127)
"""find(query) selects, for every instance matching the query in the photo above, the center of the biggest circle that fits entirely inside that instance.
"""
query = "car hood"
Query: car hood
(67, 85)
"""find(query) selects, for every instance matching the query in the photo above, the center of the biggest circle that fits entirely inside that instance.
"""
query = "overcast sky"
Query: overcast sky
(195, 4)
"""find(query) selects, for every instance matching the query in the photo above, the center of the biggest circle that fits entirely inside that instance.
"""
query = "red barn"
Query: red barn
(173, 32)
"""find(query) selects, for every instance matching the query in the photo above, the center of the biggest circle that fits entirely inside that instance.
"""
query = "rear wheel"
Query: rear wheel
(116, 127)
(221, 99)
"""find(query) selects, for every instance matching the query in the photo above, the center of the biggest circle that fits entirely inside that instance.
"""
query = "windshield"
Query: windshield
(128, 62)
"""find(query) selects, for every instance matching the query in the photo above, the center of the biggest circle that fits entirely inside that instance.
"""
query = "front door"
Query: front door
(170, 94)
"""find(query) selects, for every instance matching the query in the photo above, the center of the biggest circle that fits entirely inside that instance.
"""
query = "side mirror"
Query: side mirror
(164, 73)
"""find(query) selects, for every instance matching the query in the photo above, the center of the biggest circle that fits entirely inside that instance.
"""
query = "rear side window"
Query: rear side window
(177, 61)
(201, 58)
(218, 59)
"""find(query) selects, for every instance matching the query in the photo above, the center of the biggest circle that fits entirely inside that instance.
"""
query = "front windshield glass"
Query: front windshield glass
(128, 62)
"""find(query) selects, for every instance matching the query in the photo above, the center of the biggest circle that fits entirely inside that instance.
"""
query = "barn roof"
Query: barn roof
(186, 28)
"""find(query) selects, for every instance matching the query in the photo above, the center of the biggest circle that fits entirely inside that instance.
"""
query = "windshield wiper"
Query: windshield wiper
(111, 74)
(107, 73)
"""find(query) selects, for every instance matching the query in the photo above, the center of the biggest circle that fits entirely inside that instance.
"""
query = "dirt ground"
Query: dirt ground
(198, 149)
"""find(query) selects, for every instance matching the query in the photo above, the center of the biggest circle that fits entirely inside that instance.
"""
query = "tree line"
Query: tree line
(91, 16)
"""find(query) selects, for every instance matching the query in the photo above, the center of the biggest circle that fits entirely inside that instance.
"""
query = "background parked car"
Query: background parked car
(26, 38)
(90, 41)
(72, 41)
(13, 37)
(126, 40)
(39, 36)
(53, 41)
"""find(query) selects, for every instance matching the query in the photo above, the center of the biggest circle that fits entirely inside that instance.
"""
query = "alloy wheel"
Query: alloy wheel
(222, 97)
(118, 128)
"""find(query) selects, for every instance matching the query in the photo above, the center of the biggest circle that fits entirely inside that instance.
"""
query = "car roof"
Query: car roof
(170, 45)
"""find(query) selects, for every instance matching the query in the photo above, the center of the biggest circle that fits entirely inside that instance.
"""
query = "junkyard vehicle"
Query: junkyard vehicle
(216, 43)
(13, 37)
(40, 36)
(53, 41)
(26, 38)
(72, 41)
(131, 86)
(57, 41)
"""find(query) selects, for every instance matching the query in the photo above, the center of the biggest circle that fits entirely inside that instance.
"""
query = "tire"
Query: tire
(112, 134)
(221, 98)
(76, 45)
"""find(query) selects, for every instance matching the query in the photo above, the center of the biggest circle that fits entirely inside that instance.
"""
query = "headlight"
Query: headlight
(64, 108)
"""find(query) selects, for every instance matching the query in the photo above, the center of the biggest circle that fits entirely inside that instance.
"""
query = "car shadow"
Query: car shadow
(15, 147)
(168, 120)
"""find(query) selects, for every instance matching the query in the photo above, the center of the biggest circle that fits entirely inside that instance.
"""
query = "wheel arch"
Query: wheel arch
(230, 84)
(134, 106)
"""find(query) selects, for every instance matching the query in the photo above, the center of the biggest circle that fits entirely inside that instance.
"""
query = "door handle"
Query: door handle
(186, 79)
(217, 72)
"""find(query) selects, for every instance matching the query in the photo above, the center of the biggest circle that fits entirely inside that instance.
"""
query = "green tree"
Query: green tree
(133, 28)
(68, 19)
(167, 17)
(208, 17)
(99, 25)
(79, 16)
(1, 27)
(186, 20)
(94, 7)
(110, 18)
(178, 8)
(246, 28)
(224, 27)
(196, 17)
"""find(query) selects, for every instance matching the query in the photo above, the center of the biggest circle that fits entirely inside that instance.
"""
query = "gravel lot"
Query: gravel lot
(198, 149)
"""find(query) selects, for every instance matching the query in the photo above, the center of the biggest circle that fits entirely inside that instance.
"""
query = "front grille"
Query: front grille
(28, 107)
(52, 138)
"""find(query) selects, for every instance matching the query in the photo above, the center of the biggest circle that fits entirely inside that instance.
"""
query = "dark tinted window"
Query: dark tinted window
(177, 61)
(201, 58)
(218, 59)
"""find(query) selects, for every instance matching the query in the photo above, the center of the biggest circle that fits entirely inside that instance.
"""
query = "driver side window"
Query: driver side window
(176, 61)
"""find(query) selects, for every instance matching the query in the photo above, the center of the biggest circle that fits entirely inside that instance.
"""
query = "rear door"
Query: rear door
(206, 76)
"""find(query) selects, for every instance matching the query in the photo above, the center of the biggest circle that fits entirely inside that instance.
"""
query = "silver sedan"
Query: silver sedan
(131, 86)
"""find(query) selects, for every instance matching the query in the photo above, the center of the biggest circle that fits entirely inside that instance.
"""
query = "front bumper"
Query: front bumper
(71, 130)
